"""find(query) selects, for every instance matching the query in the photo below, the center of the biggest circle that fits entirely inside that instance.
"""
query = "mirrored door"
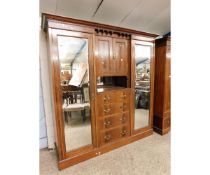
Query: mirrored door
(74, 71)
(142, 58)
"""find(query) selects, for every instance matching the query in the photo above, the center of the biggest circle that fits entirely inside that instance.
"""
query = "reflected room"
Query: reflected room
(74, 76)
(142, 86)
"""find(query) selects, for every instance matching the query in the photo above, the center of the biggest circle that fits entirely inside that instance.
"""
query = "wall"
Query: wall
(46, 88)
(42, 119)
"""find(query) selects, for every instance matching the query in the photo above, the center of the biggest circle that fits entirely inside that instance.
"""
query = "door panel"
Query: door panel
(142, 85)
(120, 56)
(72, 81)
(103, 54)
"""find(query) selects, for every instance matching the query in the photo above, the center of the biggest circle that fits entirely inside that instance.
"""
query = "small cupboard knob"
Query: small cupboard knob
(123, 119)
(106, 110)
(107, 123)
(124, 96)
(123, 132)
(106, 98)
(123, 106)
(107, 137)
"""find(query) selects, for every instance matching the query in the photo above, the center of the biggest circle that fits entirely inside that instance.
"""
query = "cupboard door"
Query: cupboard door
(72, 72)
(103, 54)
(142, 85)
(120, 56)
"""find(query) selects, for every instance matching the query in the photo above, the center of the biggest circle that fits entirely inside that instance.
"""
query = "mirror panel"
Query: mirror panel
(142, 86)
(74, 76)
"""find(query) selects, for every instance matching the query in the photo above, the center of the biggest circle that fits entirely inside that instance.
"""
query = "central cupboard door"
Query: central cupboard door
(120, 55)
(104, 55)
(111, 56)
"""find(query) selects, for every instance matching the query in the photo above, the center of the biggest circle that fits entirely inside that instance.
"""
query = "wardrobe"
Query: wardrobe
(162, 90)
(102, 86)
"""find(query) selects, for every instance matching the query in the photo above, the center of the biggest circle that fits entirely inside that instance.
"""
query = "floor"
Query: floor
(77, 131)
(148, 156)
(141, 118)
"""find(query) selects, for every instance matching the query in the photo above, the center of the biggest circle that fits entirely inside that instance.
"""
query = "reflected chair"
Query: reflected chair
(71, 103)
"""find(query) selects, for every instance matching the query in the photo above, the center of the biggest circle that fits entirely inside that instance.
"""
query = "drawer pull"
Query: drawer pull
(107, 137)
(107, 123)
(123, 107)
(124, 96)
(106, 99)
(123, 119)
(123, 132)
(106, 110)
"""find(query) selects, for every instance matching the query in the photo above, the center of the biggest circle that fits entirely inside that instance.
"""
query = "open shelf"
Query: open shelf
(108, 83)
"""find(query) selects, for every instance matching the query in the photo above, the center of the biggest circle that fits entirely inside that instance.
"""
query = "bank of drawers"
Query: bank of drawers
(113, 115)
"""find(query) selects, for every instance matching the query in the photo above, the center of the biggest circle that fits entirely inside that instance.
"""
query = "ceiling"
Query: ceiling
(151, 16)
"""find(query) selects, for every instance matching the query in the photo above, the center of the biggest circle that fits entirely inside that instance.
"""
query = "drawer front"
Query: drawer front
(113, 121)
(113, 108)
(114, 134)
(116, 96)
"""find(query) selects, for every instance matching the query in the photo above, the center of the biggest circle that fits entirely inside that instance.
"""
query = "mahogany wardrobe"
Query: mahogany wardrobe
(102, 86)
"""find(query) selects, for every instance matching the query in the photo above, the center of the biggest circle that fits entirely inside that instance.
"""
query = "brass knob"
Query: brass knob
(107, 137)
(123, 119)
(107, 123)
(123, 106)
(124, 96)
(107, 98)
(123, 132)
(106, 110)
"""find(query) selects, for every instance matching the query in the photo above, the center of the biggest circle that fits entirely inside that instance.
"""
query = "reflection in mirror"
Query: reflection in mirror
(74, 73)
(142, 86)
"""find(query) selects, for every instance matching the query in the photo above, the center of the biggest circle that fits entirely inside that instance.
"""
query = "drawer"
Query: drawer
(113, 108)
(113, 121)
(114, 134)
(115, 96)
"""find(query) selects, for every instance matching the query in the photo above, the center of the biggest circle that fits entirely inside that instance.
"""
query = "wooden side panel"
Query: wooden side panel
(162, 102)
(160, 53)
(167, 88)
